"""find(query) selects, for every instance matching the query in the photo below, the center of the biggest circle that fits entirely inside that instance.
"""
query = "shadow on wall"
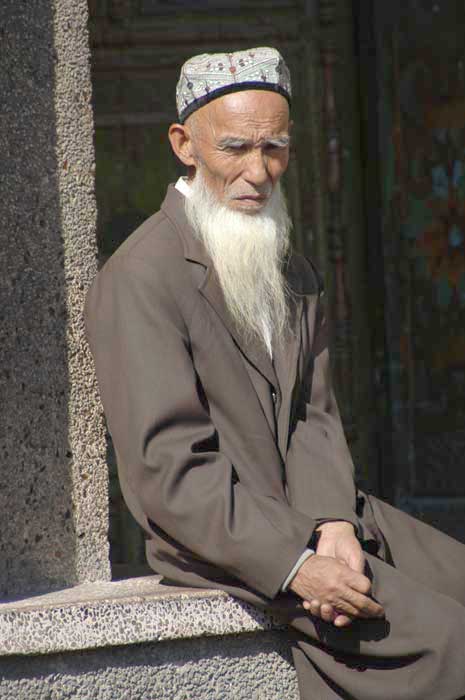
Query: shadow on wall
(36, 522)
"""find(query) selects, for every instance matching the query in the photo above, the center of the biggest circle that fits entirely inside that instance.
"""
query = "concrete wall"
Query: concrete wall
(53, 487)
(246, 667)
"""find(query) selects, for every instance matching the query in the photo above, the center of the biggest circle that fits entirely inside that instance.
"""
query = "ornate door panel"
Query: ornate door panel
(418, 81)
(138, 47)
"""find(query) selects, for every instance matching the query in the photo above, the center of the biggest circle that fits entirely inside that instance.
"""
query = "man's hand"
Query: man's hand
(334, 584)
(337, 540)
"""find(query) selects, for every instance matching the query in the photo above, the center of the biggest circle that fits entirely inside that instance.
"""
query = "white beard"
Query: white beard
(247, 251)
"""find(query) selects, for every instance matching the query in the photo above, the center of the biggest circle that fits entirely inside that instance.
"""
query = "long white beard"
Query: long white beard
(247, 252)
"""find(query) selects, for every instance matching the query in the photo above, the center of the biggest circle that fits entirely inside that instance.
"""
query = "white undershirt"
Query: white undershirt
(183, 186)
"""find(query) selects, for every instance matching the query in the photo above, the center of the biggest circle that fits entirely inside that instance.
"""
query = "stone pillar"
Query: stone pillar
(53, 483)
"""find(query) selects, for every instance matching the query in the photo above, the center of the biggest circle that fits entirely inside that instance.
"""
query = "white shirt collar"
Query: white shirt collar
(183, 186)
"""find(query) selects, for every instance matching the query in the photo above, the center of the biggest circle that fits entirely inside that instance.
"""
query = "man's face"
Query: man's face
(241, 145)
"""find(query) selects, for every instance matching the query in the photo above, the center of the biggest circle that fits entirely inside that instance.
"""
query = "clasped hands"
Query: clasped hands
(332, 583)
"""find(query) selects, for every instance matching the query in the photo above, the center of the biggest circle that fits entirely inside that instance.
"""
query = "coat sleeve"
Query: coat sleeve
(163, 433)
(319, 468)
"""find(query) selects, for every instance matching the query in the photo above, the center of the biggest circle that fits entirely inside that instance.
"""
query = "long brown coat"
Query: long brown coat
(229, 461)
(190, 409)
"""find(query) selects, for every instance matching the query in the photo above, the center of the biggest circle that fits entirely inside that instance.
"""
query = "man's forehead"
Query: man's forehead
(244, 114)
(262, 104)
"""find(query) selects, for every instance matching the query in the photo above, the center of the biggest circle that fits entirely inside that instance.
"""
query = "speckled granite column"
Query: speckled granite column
(53, 483)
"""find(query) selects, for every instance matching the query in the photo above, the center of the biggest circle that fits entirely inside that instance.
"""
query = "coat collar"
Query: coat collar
(194, 251)
(173, 207)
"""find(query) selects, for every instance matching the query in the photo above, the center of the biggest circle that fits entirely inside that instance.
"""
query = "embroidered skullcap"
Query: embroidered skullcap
(208, 76)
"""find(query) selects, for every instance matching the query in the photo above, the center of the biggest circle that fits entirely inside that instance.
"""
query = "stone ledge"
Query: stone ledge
(134, 611)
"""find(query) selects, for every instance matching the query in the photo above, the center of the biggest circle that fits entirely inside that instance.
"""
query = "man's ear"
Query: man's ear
(181, 143)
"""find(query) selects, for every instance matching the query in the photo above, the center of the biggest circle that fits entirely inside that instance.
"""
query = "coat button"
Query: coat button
(274, 396)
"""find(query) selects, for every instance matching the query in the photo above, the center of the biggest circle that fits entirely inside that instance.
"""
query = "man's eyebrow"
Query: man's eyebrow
(233, 142)
(238, 141)
(280, 141)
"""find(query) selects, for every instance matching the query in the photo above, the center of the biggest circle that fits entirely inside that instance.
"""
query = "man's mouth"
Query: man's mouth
(251, 198)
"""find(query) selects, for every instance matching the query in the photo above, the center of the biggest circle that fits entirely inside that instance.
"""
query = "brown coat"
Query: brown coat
(229, 461)
(202, 447)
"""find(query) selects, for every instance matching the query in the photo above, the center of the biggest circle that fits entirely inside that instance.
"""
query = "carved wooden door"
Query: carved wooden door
(138, 47)
(413, 66)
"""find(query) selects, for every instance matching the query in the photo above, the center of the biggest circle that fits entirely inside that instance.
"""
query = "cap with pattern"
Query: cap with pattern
(208, 76)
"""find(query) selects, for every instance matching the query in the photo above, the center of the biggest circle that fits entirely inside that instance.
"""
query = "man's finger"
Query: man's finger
(346, 607)
(327, 612)
(315, 606)
(342, 621)
(359, 582)
(365, 607)
(350, 602)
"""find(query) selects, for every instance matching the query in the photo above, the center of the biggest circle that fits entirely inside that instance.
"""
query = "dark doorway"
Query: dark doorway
(412, 67)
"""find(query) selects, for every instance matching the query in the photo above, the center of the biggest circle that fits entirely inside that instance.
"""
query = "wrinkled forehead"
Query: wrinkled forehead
(248, 114)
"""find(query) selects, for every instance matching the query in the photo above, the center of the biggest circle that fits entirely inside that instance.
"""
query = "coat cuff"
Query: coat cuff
(306, 554)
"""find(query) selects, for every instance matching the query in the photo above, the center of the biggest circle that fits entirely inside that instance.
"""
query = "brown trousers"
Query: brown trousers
(418, 652)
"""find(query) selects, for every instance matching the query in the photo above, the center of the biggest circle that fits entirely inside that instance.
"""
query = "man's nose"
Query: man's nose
(256, 171)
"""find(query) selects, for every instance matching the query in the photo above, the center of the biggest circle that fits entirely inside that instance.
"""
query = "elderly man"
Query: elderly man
(210, 344)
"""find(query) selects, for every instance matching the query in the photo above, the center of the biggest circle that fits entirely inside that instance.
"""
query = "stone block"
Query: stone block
(139, 640)
(239, 667)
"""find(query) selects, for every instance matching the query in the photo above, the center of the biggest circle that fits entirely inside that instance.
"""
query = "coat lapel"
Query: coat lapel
(286, 356)
(254, 352)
